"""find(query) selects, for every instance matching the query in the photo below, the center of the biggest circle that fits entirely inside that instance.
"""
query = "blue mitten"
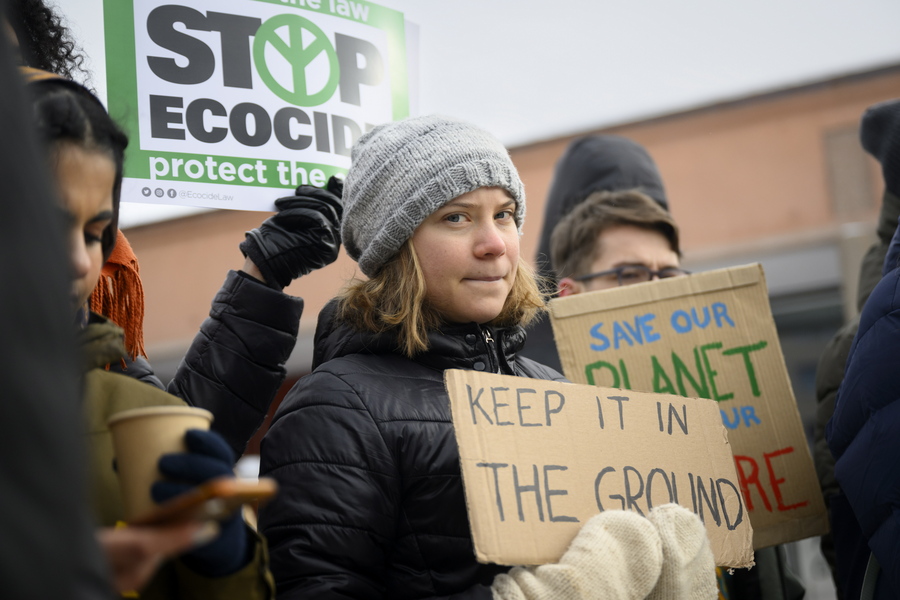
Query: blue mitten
(208, 457)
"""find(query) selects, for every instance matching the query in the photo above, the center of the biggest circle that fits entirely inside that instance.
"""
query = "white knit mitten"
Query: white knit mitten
(688, 568)
(617, 555)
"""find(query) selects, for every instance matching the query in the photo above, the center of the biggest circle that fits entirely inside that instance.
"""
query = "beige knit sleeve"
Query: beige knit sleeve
(617, 555)
(688, 567)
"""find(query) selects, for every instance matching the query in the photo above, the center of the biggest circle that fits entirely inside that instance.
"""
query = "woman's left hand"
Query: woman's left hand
(208, 457)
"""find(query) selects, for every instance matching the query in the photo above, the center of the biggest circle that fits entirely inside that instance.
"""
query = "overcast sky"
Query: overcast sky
(529, 70)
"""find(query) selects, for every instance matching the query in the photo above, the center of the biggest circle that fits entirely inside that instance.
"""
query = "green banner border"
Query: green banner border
(270, 163)
(121, 76)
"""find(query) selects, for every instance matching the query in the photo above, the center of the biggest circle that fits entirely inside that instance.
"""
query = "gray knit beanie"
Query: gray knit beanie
(401, 172)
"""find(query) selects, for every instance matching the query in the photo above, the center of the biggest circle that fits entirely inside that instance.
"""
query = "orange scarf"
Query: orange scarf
(119, 295)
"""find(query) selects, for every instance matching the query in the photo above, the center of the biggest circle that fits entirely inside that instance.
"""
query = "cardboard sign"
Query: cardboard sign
(708, 335)
(540, 458)
(232, 103)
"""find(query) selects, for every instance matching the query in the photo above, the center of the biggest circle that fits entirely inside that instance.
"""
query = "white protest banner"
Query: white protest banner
(539, 458)
(232, 103)
(708, 335)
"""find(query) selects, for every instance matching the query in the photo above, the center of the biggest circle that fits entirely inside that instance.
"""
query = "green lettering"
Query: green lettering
(748, 364)
(682, 372)
(712, 372)
(659, 375)
(626, 384)
(597, 366)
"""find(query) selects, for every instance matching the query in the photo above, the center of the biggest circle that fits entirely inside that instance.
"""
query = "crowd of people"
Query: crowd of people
(371, 501)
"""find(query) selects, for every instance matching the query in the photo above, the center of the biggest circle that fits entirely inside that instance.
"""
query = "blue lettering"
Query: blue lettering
(683, 322)
(720, 311)
(732, 418)
(619, 334)
(705, 317)
(677, 317)
(635, 331)
(595, 333)
(728, 423)
(639, 332)
(647, 327)
(749, 414)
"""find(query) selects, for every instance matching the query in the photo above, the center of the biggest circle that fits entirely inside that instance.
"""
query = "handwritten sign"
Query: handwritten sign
(709, 335)
(539, 458)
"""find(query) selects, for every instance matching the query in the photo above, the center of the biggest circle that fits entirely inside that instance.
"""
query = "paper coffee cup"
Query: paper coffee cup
(140, 437)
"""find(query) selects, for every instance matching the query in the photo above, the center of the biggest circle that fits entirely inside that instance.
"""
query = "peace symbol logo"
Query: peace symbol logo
(303, 44)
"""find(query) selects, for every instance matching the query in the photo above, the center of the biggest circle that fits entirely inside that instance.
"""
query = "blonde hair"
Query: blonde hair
(395, 300)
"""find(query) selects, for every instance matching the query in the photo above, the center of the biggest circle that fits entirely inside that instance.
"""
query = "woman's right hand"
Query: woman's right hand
(620, 555)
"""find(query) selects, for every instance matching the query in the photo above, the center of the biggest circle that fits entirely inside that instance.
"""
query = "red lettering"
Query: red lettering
(776, 483)
(753, 478)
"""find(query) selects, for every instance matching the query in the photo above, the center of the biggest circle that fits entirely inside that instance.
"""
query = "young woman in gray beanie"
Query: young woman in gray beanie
(371, 502)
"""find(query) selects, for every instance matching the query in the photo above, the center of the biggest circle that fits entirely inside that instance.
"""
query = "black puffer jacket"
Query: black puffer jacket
(371, 502)
(235, 364)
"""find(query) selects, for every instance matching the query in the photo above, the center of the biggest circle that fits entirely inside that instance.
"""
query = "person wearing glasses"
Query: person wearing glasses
(592, 163)
(614, 239)
(621, 238)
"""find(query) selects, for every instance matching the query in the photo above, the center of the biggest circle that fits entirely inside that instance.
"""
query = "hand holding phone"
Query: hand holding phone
(216, 499)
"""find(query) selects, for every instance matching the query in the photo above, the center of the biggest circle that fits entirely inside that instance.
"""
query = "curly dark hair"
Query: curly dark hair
(44, 42)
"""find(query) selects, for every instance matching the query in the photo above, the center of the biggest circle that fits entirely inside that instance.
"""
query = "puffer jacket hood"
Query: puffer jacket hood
(591, 164)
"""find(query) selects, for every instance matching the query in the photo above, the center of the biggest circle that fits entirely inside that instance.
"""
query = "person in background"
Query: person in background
(593, 163)
(616, 238)
(234, 367)
(862, 432)
(876, 135)
(372, 502)
(84, 150)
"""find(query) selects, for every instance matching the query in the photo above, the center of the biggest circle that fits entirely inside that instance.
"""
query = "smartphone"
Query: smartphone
(216, 499)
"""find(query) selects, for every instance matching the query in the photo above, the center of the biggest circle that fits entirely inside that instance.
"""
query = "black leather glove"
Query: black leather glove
(303, 236)
(208, 457)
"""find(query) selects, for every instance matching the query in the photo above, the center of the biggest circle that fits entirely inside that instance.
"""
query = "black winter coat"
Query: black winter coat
(862, 436)
(371, 502)
(234, 367)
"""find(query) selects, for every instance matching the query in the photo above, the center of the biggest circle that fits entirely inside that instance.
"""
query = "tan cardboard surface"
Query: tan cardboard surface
(539, 458)
(708, 335)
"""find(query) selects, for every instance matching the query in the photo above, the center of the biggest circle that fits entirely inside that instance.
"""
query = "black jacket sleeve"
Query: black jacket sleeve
(333, 521)
(235, 364)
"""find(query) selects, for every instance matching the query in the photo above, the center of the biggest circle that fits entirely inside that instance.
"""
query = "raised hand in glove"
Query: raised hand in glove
(304, 235)
(208, 457)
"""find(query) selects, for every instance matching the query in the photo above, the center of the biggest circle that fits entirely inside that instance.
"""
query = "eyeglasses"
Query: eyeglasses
(630, 274)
